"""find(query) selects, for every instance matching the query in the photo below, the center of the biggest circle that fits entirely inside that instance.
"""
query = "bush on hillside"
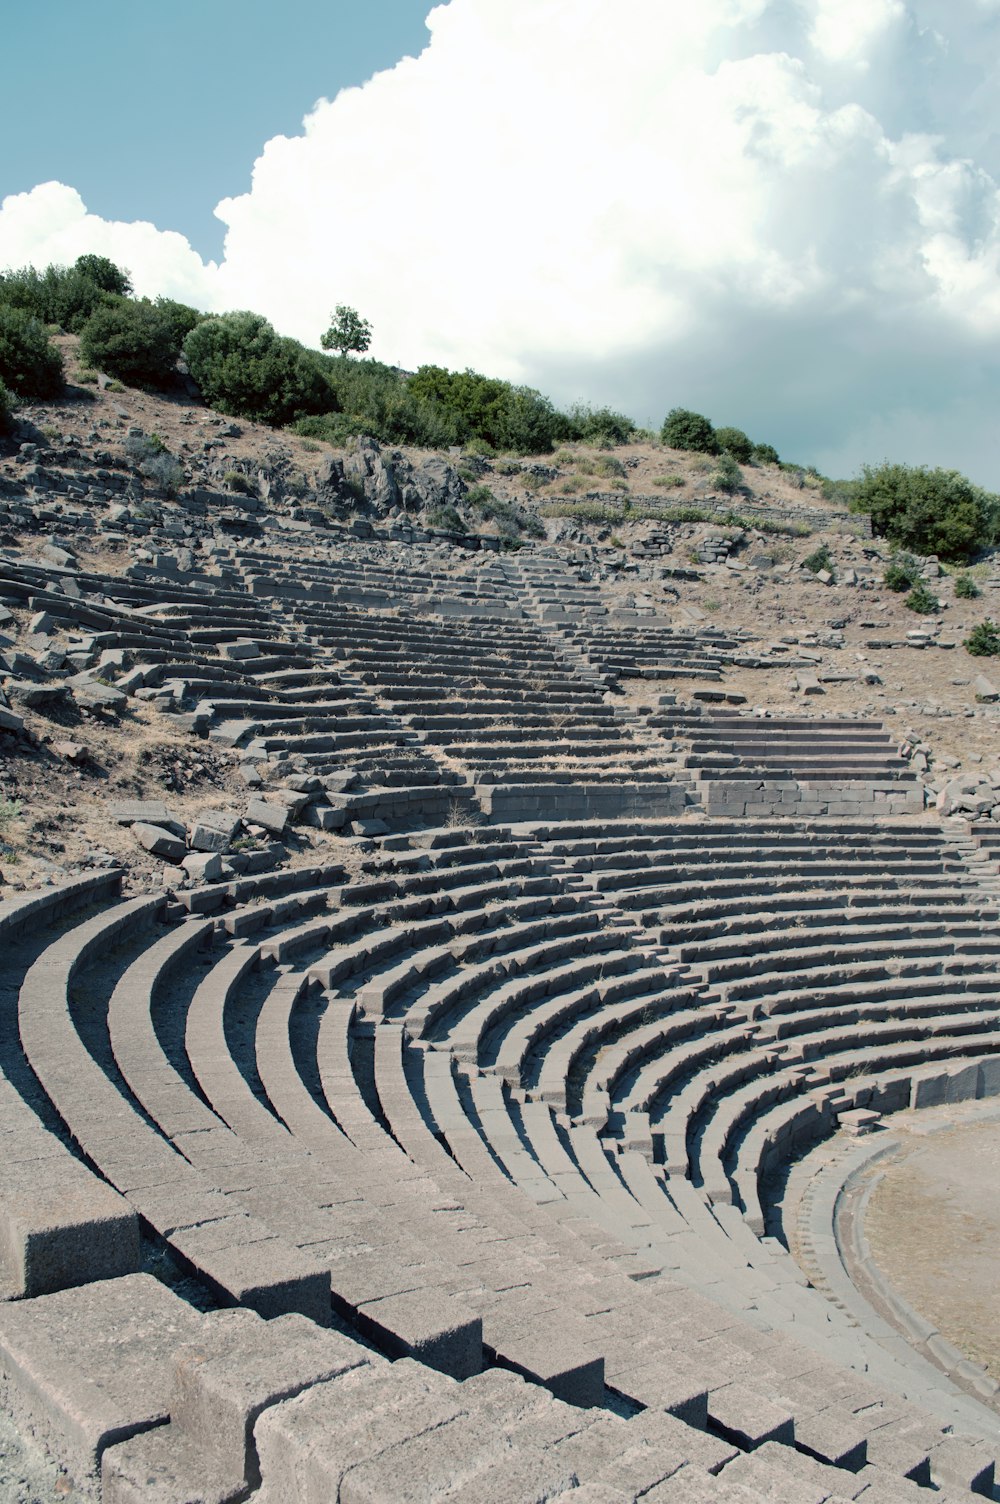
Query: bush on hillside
(244, 368)
(515, 418)
(930, 511)
(377, 399)
(729, 476)
(63, 295)
(735, 442)
(154, 459)
(922, 600)
(902, 573)
(445, 520)
(683, 429)
(966, 588)
(601, 426)
(138, 342)
(765, 454)
(984, 640)
(30, 365)
(820, 559)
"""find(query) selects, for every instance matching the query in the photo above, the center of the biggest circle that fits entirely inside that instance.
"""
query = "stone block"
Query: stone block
(742, 1414)
(273, 817)
(61, 1226)
(159, 842)
(239, 651)
(248, 1267)
(93, 1365)
(432, 1328)
(203, 867)
(239, 1367)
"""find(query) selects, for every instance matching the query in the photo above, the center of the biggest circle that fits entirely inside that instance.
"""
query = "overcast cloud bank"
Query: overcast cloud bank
(784, 213)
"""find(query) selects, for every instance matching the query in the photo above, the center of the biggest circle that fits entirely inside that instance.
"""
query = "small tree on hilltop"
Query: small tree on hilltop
(348, 331)
(683, 429)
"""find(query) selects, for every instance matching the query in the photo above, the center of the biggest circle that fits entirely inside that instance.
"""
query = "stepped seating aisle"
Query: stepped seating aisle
(796, 765)
(526, 724)
(650, 649)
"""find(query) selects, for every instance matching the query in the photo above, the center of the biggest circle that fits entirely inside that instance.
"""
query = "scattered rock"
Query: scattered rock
(159, 842)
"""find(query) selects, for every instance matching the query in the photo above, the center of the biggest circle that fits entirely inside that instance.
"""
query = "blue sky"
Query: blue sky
(782, 213)
(157, 112)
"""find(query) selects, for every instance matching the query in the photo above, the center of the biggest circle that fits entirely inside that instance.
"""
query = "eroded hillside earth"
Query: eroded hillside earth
(478, 932)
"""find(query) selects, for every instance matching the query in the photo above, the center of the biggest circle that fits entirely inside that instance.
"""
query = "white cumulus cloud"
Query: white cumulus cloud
(785, 215)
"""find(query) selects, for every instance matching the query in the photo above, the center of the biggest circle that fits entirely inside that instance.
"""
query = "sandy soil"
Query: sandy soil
(933, 1224)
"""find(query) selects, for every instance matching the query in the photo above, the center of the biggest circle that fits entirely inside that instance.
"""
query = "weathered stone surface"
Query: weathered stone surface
(271, 816)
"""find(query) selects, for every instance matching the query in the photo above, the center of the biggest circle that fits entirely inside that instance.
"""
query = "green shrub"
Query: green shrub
(87, 378)
(966, 588)
(64, 296)
(729, 476)
(601, 427)
(30, 365)
(984, 640)
(137, 342)
(930, 511)
(516, 419)
(902, 573)
(683, 429)
(235, 480)
(152, 457)
(736, 442)
(445, 520)
(667, 482)
(922, 601)
(820, 559)
(372, 398)
(765, 454)
(247, 370)
(511, 520)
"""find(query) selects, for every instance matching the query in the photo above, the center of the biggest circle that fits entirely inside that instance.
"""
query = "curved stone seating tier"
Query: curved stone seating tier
(517, 1098)
(60, 1225)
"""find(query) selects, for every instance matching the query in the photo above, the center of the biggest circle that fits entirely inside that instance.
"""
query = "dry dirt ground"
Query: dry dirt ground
(933, 1223)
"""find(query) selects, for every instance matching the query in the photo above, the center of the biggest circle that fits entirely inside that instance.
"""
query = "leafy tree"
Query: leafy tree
(348, 331)
(179, 317)
(137, 342)
(683, 429)
(104, 274)
(30, 365)
(930, 511)
(244, 368)
(735, 442)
